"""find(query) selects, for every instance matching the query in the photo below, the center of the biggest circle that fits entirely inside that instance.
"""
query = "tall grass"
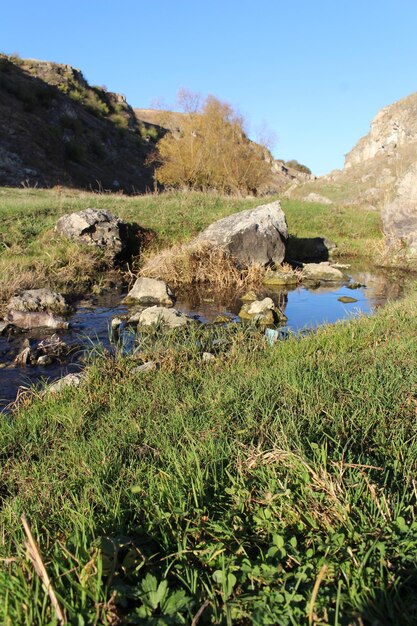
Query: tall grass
(274, 485)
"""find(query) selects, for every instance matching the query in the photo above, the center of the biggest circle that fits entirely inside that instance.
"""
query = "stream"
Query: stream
(305, 308)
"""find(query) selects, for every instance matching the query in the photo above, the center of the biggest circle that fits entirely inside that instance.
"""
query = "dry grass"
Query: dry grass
(182, 266)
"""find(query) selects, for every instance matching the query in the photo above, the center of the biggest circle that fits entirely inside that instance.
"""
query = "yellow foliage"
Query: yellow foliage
(211, 151)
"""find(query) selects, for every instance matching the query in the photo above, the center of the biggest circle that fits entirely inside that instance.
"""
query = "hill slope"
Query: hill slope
(55, 129)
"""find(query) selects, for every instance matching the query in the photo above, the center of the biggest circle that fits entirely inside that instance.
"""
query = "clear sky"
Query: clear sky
(314, 71)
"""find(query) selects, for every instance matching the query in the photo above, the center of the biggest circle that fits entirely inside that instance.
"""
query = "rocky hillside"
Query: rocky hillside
(376, 164)
(56, 129)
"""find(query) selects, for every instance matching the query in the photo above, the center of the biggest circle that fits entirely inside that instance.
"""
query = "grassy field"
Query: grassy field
(32, 255)
(271, 486)
(275, 485)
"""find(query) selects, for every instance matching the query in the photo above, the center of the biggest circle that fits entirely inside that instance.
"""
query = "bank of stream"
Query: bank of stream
(305, 308)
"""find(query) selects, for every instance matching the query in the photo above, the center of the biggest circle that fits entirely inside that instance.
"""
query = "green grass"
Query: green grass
(32, 254)
(273, 486)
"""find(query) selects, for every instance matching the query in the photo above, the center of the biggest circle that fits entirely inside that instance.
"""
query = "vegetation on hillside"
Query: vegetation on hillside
(211, 151)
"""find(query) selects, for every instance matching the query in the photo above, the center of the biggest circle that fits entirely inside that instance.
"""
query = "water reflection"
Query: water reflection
(304, 308)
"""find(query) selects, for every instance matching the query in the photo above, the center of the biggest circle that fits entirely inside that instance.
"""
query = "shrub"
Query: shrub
(211, 151)
(295, 165)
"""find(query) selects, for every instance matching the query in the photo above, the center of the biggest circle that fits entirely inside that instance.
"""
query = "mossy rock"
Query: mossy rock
(347, 299)
(249, 297)
(281, 278)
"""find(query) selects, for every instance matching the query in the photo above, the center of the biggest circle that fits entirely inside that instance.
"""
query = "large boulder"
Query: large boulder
(95, 227)
(38, 307)
(255, 236)
(149, 291)
(399, 218)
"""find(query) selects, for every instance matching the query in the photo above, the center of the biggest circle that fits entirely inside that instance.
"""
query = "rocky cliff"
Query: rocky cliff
(56, 129)
(374, 167)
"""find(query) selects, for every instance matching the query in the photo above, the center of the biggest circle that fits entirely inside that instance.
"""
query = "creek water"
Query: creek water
(305, 308)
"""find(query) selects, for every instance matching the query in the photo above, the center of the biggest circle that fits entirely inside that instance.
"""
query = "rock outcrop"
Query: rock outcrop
(255, 236)
(149, 291)
(399, 217)
(170, 318)
(95, 227)
(392, 127)
(36, 308)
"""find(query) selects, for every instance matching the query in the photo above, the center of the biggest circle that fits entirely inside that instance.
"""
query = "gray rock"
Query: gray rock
(37, 308)
(149, 291)
(261, 311)
(322, 272)
(399, 218)
(160, 315)
(149, 366)
(281, 278)
(39, 300)
(95, 227)
(316, 197)
(71, 380)
(256, 236)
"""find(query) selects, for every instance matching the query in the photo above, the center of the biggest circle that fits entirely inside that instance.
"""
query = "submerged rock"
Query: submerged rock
(347, 299)
(149, 291)
(166, 317)
(281, 278)
(323, 272)
(95, 227)
(255, 236)
(35, 308)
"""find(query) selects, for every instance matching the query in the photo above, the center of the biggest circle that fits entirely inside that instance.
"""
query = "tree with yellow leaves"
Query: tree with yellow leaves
(210, 150)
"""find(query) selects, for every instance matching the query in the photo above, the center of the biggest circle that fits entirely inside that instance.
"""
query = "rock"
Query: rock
(354, 285)
(149, 291)
(281, 278)
(323, 272)
(316, 197)
(39, 300)
(160, 315)
(134, 319)
(347, 299)
(44, 359)
(309, 249)
(71, 380)
(207, 357)
(399, 218)
(37, 307)
(149, 366)
(95, 227)
(261, 311)
(261, 306)
(249, 297)
(24, 355)
(256, 236)
(53, 346)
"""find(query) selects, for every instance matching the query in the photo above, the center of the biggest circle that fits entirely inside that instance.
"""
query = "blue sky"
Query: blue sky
(315, 73)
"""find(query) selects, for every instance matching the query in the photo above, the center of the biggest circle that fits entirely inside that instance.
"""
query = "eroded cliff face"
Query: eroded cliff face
(375, 166)
(393, 126)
